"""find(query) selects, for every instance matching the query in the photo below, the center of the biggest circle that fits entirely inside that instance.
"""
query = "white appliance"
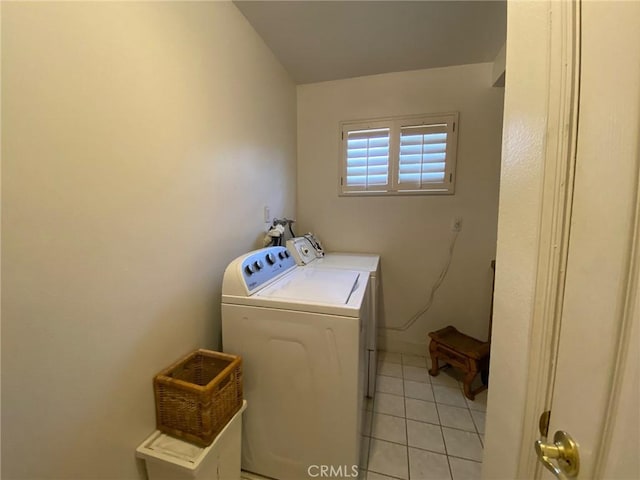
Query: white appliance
(169, 458)
(307, 250)
(302, 335)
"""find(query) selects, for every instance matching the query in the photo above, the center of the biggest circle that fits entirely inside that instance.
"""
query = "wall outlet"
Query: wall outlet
(456, 224)
(267, 214)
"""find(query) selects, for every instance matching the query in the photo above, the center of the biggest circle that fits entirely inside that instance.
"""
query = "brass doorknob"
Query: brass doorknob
(564, 451)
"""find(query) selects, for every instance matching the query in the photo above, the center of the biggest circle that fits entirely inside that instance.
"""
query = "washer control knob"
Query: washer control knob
(271, 259)
(286, 254)
(258, 264)
(282, 254)
(249, 269)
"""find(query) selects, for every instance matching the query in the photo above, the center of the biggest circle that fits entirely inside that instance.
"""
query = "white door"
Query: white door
(565, 332)
(595, 395)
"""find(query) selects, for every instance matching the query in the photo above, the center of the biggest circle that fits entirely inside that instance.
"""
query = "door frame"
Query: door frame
(555, 45)
(557, 195)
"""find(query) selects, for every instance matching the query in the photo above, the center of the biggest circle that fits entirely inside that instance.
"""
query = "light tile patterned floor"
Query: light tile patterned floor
(422, 427)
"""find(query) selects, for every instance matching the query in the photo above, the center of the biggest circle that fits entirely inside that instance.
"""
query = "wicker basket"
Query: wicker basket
(198, 395)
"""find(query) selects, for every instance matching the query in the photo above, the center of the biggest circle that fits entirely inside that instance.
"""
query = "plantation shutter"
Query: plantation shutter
(408, 155)
(367, 160)
(423, 156)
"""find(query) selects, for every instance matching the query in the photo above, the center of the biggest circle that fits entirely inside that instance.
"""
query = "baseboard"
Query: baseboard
(403, 346)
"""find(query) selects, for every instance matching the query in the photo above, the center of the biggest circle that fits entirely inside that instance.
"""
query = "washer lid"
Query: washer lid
(350, 261)
(314, 286)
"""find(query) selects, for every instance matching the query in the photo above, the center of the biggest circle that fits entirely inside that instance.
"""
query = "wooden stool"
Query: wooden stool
(461, 351)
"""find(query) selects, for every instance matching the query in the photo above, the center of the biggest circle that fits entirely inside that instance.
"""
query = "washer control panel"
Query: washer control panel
(302, 250)
(262, 266)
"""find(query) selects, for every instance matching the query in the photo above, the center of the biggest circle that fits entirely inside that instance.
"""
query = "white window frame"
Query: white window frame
(395, 124)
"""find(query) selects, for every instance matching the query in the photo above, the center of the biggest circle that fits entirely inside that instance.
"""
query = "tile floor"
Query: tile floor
(422, 427)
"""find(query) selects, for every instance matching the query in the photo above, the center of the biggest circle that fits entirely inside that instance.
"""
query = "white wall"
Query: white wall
(140, 143)
(412, 233)
(499, 67)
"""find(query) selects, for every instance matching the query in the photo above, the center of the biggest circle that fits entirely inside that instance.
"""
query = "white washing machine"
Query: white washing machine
(302, 335)
(308, 251)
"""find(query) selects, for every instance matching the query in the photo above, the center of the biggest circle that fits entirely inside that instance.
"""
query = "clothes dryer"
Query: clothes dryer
(302, 334)
(305, 251)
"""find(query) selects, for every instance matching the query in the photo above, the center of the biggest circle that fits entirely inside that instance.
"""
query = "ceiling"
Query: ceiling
(330, 40)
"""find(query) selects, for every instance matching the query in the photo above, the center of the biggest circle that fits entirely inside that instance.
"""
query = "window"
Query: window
(400, 155)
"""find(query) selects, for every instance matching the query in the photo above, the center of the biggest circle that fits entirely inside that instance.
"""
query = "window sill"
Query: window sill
(396, 194)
